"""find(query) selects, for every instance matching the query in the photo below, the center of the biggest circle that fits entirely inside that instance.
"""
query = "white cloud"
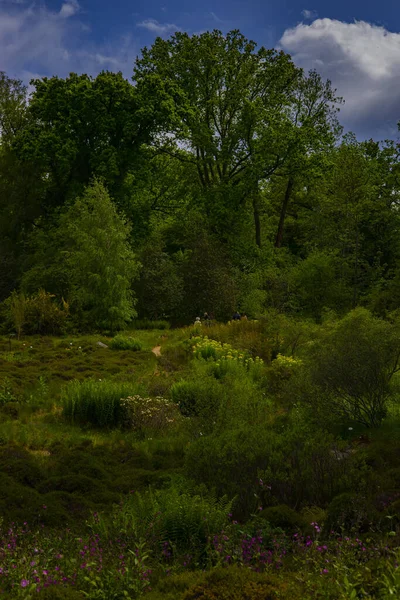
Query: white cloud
(309, 14)
(363, 62)
(37, 41)
(69, 8)
(159, 28)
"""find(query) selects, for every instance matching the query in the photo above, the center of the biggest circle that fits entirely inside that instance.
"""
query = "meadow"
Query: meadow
(204, 472)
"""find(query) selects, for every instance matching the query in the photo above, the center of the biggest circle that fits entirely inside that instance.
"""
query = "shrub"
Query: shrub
(225, 358)
(198, 397)
(283, 516)
(156, 414)
(7, 393)
(120, 342)
(350, 512)
(56, 592)
(239, 583)
(95, 402)
(261, 467)
(353, 365)
(229, 463)
(175, 520)
(149, 324)
(36, 314)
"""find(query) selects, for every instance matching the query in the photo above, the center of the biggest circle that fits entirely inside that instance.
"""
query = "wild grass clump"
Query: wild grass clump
(96, 402)
(120, 342)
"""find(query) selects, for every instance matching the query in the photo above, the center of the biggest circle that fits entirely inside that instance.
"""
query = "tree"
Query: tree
(99, 261)
(230, 104)
(80, 128)
(353, 366)
(160, 287)
(239, 115)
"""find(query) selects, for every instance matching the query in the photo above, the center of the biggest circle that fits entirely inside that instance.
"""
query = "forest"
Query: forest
(151, 445)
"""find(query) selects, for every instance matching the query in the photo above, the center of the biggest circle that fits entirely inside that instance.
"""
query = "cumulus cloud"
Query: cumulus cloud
(309, 14)
(159, 28)
(363, 62)
(36, 41)
(69, 8)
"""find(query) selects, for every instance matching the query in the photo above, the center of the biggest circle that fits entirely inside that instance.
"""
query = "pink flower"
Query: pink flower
(24, 583)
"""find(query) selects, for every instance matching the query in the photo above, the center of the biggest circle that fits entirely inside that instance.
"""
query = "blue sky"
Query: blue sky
(355, 43)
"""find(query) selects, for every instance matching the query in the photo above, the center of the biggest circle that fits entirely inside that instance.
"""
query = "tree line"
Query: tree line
(218, 179)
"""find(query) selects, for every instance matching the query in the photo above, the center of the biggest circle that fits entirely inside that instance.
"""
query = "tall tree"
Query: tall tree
(80, 127)
(240, 114)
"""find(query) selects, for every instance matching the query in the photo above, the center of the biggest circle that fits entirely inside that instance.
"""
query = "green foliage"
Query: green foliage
(353, 365)
(149, 324)
(283, 516)
(234, 583)
(198, 398)
(95, 402)
(229, 463)
(59, 593)
(100, 262)
(81, 127)
(351, 513)
(121, 342)
(177, 519)
(7, 394)
(149, 414)
(314, 285)
(160, 286)
(208, 281)
(36, 314)
(262, 467)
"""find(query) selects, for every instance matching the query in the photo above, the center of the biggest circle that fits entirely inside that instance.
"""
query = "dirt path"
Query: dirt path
(157, 350)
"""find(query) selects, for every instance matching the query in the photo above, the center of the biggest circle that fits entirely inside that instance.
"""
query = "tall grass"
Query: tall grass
(96, 402)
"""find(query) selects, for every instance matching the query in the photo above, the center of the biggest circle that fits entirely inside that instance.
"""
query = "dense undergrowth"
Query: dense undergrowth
(206, 472)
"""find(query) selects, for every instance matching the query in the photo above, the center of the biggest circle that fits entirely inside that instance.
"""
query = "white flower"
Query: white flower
(350, 429)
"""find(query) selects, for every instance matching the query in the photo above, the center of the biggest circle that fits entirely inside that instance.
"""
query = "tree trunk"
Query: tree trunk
(285, 204)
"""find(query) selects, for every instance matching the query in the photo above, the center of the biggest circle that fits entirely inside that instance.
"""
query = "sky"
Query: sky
(354, 43)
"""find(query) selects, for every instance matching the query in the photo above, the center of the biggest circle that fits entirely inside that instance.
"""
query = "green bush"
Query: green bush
(95, 402)
(262, 467)
(120, 342)
(283, 516)
(229, 463)
(56, 592)
(350, 512)
(239, 583)
(36, 314)
(353, 365)
(176, 519)
(198, 397)
(149, 324)
(154, 414)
